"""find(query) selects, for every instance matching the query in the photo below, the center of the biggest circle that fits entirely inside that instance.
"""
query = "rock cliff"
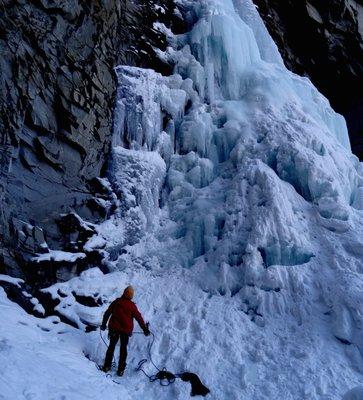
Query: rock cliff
(57, 99)
(323, 40)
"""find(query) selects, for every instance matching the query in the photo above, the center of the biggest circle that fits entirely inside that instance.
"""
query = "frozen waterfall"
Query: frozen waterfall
(238, 169)
(214, 161)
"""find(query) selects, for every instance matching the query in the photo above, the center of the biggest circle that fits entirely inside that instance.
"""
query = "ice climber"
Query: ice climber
(122, 312)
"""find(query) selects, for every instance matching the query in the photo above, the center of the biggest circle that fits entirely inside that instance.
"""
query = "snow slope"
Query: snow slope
(239, 222)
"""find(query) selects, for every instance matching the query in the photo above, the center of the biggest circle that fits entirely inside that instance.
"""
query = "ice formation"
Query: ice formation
(239, 219)
(240, 170)
(233, 161)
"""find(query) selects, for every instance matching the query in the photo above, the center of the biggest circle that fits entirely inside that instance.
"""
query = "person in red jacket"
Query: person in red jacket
(122, 312)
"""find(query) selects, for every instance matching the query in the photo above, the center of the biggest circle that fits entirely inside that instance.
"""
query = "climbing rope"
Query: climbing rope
(165, 377)
(150, 345)
(113, 365)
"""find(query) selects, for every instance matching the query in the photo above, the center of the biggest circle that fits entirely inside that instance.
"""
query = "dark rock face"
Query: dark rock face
(323, 40)
(57, 98)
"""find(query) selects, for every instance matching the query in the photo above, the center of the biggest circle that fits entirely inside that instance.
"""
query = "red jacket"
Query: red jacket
(122, 312)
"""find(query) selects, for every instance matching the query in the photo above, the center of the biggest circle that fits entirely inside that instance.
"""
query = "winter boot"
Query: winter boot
(106, 368)
(121, 369)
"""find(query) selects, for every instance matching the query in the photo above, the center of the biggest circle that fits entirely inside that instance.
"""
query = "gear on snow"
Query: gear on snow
(120, 314)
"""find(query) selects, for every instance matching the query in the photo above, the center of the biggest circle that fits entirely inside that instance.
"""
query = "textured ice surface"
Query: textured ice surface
(239, 221)
(260, 192)
(248, 148)
(259, 188)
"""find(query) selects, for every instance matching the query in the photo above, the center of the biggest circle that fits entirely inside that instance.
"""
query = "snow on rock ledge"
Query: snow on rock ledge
(59, 256)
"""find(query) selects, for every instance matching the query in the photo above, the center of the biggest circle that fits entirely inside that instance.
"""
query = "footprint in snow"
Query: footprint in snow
(195, 328)
(181, 323)
(164, 343)
(4, 345)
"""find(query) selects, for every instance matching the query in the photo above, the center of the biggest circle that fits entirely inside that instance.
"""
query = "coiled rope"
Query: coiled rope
(165, 377)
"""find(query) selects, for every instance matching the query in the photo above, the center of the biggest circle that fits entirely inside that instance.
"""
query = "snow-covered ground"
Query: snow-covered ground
(292, 357)
(239, 223)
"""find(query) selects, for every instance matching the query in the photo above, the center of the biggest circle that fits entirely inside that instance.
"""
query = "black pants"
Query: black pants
(124, 340)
